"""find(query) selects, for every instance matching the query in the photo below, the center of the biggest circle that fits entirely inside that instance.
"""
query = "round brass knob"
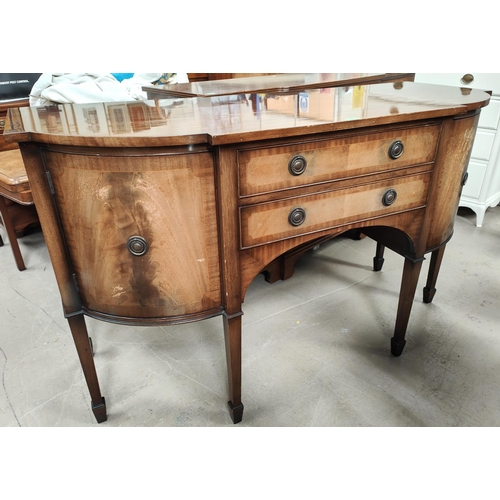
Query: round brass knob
(297, 216)
(2, 123)
(389, 197)
(137, 245)
(467, 79)
(396, 149)
(297, 165)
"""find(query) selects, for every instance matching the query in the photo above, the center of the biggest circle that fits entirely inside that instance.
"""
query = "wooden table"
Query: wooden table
(156, 215)
(4, 106)
(16, 202)
(279, 83)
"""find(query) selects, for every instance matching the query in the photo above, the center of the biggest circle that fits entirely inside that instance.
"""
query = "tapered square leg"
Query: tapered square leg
(84, 349)
(4, 211)
(99, 411)
(232, 336)
(378, 260)
(434, 266)
(397, 346)
(236, 412)
(411, 272)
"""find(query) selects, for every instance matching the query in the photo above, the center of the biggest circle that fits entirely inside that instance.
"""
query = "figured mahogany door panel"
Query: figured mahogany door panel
(141, 231)
(282, 167)
(269, 222)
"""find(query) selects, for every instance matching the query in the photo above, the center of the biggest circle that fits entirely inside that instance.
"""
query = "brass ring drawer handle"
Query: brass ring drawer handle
(137, 245)
(389, 197)
(297, 217)
(297, 165)
(467, 79)
(396, 149)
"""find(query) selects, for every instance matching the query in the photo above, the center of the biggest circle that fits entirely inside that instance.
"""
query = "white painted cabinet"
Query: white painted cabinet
(482, 189)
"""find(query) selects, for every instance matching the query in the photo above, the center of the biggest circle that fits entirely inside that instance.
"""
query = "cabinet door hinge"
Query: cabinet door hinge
(76, 283)
(51, 185)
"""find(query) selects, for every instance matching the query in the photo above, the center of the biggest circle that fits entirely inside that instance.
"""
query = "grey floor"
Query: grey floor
(315, 347)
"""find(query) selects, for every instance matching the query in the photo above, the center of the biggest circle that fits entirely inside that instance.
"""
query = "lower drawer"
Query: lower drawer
(269, 222)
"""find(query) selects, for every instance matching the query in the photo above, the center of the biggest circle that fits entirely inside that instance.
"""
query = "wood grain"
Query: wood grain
(269, 222)
(169, 200)
(266, 169)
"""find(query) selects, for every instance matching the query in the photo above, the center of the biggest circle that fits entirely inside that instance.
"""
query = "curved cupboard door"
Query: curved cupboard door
(141, 230)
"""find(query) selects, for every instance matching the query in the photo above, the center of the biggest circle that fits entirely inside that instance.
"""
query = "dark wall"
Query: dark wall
(16, 85)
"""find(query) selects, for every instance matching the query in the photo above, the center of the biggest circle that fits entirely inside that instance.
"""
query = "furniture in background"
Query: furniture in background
(14, 91)
(203, 77)
(278, 83)
(4, 106)
(16, 201)
(128, 246)
(482, 189)
(17, 210)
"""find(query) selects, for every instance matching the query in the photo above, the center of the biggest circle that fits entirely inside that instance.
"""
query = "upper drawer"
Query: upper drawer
(267, 222)
(481, 81)
(276, 168)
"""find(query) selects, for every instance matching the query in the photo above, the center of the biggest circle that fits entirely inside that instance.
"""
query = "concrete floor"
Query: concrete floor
(315, 347)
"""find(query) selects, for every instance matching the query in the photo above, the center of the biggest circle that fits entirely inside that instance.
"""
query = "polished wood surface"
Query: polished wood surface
(277, 83)
(217, 121)
(219, 188)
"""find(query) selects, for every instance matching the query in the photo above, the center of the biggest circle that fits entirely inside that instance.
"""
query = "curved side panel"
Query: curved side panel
(449, 168)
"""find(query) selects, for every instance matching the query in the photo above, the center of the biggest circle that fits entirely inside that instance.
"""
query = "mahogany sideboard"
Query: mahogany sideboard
(163, 212)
